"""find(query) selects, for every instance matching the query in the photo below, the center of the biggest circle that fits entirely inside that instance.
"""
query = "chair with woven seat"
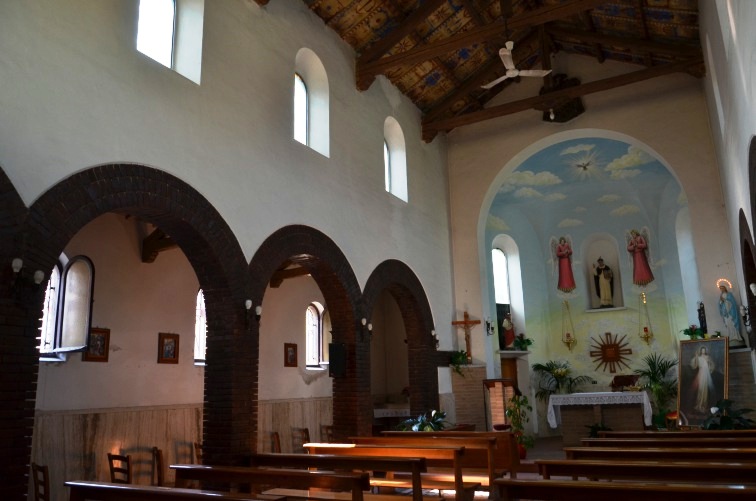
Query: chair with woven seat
(120, 468)
(41, 479)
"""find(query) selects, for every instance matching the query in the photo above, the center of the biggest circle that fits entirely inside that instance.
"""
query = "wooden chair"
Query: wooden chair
(120, 468)
(275, 442)
(299, 437)
(197, 452)
(158, 468)
(326, 433)
(41, 479)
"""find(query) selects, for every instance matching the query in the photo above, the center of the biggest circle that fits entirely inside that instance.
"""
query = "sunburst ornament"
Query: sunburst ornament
(610, 352)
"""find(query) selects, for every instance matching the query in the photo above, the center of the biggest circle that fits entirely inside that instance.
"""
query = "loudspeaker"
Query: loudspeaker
(337, 356)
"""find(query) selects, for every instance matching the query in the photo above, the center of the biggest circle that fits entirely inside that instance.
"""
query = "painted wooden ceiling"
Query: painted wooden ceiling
(440, 52)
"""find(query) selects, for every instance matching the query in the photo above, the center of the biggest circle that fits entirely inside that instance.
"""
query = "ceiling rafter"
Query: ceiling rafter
(367, 70)
(553, 99)
(633, 44)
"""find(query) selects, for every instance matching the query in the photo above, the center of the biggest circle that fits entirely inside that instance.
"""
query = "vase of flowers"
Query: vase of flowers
(556, 377)
(693, 332)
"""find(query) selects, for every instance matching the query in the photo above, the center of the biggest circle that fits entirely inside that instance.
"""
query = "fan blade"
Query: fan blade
(506, 58)
(495, 82)
(534, 73)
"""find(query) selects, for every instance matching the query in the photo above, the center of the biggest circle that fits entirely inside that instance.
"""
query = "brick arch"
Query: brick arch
(209, 245)
(752, 178)
(328, 266)
(401, 282)
(748, 262)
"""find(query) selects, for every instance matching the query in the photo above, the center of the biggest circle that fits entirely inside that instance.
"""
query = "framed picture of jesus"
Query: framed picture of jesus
(703, 375)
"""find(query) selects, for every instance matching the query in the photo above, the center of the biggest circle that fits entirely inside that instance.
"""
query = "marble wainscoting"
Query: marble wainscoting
(287, 417)
(74, 444)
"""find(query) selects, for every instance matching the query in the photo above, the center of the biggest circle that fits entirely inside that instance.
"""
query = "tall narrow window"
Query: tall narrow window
(155, 30)
(313, 335)
(387, 165)
(47, 337)
(76, 313)
(500, 276)
(395, 158)
(200, 330)
(301, 121)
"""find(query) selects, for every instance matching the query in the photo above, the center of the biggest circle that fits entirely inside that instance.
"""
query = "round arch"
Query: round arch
(210, 246)
(328, 266)
(404, 286)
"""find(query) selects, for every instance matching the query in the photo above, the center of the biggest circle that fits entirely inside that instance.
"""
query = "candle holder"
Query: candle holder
(569, 340)
(646, 335)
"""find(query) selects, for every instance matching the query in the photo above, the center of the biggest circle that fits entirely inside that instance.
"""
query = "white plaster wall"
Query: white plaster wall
(668, 115)
(135, 301)
(75, 93)
(727, 26)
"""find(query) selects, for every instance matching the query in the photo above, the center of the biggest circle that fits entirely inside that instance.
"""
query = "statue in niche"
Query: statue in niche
(562, 253)
(603, 279)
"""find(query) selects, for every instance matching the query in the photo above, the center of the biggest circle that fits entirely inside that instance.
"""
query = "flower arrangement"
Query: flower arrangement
(556, 377)
(521, 342)
(693, 332)
(430, 421)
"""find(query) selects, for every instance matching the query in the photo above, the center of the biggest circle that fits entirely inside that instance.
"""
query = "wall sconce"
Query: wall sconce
(745, 312)
(753, 289)
(370, 328)
(258, 312)
(435, 337)
(17, 264)
(646, 335)
(569, 340)
(489, 327)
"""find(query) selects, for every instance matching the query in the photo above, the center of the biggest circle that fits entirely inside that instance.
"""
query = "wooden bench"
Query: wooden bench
(677, 434)
(352, 482)
(726, 442)
(107, 491)
(686, 471)
(412, 466)
(662, 453)
(506, 452)
(577, 490)
(478, 463)
(437, 456)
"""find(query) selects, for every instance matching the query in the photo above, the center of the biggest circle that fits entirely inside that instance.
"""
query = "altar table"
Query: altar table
(618, 410)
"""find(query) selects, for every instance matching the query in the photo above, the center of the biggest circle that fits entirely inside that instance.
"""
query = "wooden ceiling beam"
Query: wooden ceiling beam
(381, 46)
(262, 2)
(155, 243)
(280, 275)
(367, 70)
(552, 99)
(636, 45)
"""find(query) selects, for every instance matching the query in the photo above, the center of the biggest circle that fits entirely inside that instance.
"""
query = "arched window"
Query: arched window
(507, 282)
(200, 330)
(395, 158)
(500, 276)
(76, 312)
(310, 76)
(301, 123)
(314, 335)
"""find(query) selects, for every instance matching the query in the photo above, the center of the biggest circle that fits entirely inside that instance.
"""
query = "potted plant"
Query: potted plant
(658, 378)
(430, 421)
(516, 412)
(555, 376)
(693, 332)
(458, 359)
(724, 417)
(521, 342)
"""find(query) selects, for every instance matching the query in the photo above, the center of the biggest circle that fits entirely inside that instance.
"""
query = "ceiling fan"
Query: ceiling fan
(505, 53)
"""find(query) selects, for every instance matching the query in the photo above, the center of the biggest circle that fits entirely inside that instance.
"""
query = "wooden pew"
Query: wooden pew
(685, 471)
(478, 462)
(441, 456)
(352, 482)
(107, 491)
(736, 442)
(577, 490)
(506, 452)
(677, 434)
(662, 453)
(412, 466)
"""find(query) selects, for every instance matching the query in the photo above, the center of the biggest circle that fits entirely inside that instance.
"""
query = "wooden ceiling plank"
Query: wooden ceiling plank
(366, 71)
(640, 13)
(473, 12)
(633, 44)
(381, 46)
(430, 129)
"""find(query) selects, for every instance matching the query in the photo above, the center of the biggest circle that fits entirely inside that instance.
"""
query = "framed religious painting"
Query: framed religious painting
(290, 355)
(702, 380)
(168, 348)
(98, 345)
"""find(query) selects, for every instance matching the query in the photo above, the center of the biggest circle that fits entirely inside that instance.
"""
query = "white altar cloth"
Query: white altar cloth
(554, 418)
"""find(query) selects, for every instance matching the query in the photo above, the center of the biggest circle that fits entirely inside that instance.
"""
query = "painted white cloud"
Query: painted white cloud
(578, 148)
(634, 157)
(528, 193)
(608, 199)
(624, 210)
(529, 178)
(624, 174)
(555, 197)
(579, 209)
(496, 223)
(569, 223)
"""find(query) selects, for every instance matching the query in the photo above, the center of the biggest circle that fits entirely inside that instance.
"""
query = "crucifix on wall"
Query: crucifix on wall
(467, 324)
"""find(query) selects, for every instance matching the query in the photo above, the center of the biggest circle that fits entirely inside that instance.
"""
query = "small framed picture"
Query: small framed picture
(290, 355)
(168, 348)
(98, 345)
